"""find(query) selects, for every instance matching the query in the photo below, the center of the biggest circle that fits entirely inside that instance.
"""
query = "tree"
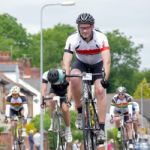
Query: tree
(125, 60)
(12, 33)
(53, 42)
(143, 89)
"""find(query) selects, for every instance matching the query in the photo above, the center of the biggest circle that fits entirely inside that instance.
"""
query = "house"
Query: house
(17, 72)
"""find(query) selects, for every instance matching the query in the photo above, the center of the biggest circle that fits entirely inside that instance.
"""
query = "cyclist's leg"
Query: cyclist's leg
(101, 106)
(136, 123)
(117, 124)
(52, 105)
(76, 94)
(66, 116)
(129, 131)
(23, 122)
(13, 113)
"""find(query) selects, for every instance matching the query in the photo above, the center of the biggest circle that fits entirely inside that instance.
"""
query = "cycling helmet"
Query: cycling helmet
(121, 89)
(56, 76)
(85, 18)
(15, 90)
(53, 75)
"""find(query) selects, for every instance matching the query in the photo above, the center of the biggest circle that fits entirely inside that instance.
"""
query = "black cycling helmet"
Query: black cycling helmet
(53, 75)
(121, 89)
(85, 18)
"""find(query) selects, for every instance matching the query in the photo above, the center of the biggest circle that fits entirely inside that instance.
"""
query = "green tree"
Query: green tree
(143, 89)
(10, 29)
(125, 60)
(53, 42)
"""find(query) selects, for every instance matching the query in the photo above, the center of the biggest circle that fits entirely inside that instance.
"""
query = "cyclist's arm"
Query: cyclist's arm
(44, 88)
(130, 109)
(111, 112)
(67, 58)
(129, 100)
(7, 110)
(106, 57)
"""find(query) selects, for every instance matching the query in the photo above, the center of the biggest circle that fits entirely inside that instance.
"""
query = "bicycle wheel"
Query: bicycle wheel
(123, 139)
(59, 131)
(88, 135)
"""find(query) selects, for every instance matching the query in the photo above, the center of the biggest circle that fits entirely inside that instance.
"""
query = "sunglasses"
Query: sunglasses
(121, 94)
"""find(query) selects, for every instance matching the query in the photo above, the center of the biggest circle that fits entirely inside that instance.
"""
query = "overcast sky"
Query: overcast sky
(132, 17)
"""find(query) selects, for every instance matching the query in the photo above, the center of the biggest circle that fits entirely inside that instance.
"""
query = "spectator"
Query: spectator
(36, 139)
(30, 138)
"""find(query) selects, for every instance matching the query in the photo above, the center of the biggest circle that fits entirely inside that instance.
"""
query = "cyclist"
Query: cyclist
(121, 103)
(58, 88)
(16, 106)
(136, 115)
(92, 55)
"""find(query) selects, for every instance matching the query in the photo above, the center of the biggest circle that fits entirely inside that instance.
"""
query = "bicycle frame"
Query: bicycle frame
(17, 133)
(58, 127)
(89, 129)
(87, 99)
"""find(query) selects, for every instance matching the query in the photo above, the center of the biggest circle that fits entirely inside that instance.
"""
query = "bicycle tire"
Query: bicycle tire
(58, 126)
(123, 139)
(86, 119)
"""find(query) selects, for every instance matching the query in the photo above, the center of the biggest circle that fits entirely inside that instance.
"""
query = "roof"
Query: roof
(4, 79)
(33, 82)
(6, 67)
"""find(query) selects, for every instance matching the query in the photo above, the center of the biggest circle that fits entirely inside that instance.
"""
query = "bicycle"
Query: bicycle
(58, 126)
(18, 139)
(89, 112)
(124, 137)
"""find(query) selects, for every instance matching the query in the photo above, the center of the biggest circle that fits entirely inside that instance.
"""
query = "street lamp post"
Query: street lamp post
(65, 3)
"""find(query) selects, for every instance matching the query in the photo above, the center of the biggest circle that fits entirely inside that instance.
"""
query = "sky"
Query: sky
(131, 17)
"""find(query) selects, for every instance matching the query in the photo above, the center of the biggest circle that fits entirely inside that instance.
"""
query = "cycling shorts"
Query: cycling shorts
(126, 116)
(95, 68)
(15, 113)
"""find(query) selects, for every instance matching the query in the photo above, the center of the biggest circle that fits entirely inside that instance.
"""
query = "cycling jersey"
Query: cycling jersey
(135, 107)
(121, 105)
(87, 52)
(16, 103)
(59, 89)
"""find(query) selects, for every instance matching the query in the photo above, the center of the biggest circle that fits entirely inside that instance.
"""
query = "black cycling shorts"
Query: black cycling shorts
(15, 113)
(95, 68)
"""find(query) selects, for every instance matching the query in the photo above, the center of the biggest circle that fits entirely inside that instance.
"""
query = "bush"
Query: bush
(2, 129)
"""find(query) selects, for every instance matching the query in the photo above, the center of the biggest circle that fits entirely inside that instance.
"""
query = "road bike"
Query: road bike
(17, 128)
(58, 126)
(90, 118)
(123, 129)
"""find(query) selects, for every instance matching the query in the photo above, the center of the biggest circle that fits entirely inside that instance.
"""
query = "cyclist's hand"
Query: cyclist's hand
(112, 119)
(43, 104)
(105, 83)
(68, 103)
(130, 119)
(6, 120)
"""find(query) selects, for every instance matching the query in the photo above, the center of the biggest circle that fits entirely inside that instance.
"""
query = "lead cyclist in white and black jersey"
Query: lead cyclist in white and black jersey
(92, 53)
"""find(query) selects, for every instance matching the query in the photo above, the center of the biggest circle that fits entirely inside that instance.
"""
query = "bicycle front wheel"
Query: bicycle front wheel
(123, 139)
(88, 136)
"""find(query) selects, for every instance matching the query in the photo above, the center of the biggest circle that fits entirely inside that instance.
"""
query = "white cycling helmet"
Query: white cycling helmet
(121, 89)
(15, 90)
